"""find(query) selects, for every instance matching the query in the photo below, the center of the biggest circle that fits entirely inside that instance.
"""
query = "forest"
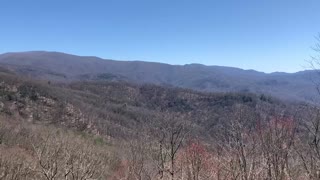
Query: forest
(119, 130)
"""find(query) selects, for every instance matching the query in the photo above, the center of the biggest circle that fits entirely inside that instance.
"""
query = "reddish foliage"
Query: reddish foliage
(197, 157)
(278, 133)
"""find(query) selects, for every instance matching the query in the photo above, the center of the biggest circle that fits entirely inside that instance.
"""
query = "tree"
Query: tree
(315, 63)
(197, 160)
(138, 159)
(171, 136)
(64, 156)
(237, 145)
(308, 143)
(276, 138)
(49, 154)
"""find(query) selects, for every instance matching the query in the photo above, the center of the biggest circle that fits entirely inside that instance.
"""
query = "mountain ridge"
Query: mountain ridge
(58, 66)
(153, 62)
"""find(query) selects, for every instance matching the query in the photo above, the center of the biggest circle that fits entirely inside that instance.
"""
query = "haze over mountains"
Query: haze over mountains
(298, 86)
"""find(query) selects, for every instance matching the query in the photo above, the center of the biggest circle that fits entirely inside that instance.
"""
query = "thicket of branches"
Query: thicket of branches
(250, 146)
(38, 152)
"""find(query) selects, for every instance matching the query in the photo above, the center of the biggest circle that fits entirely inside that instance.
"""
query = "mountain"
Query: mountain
(116, 109)
(70, 117)
(56, 66)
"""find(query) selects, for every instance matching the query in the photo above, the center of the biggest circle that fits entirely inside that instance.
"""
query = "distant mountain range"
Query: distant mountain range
(55, 66)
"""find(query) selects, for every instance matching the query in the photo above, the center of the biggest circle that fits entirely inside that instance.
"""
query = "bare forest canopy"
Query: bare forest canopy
(68, 119)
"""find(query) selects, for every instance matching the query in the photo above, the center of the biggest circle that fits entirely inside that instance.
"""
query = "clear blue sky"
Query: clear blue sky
(266, 35)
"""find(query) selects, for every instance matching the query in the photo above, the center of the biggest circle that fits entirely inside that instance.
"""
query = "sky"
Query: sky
(265, 35)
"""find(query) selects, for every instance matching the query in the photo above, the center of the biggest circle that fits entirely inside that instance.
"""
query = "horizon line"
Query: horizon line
(146, 61)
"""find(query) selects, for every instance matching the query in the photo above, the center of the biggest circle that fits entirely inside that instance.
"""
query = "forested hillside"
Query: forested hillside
(121, 130)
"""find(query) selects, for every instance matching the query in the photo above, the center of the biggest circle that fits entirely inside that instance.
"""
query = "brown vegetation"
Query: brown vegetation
(121, 131)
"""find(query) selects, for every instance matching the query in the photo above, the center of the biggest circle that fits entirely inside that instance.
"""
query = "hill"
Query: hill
(120, 130)
(117, 109)
(298, 86)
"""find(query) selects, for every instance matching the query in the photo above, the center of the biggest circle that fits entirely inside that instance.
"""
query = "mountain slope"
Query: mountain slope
(103, 129)
(64, 67)
(118, 109)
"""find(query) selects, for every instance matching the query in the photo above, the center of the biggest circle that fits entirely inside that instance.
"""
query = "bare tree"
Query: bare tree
(68, 157)
(82, 161)
(171, 136)
(49, 154)
(197, 160)
(238, 145)
(308, 144)
(276, 138)
(138, 160)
